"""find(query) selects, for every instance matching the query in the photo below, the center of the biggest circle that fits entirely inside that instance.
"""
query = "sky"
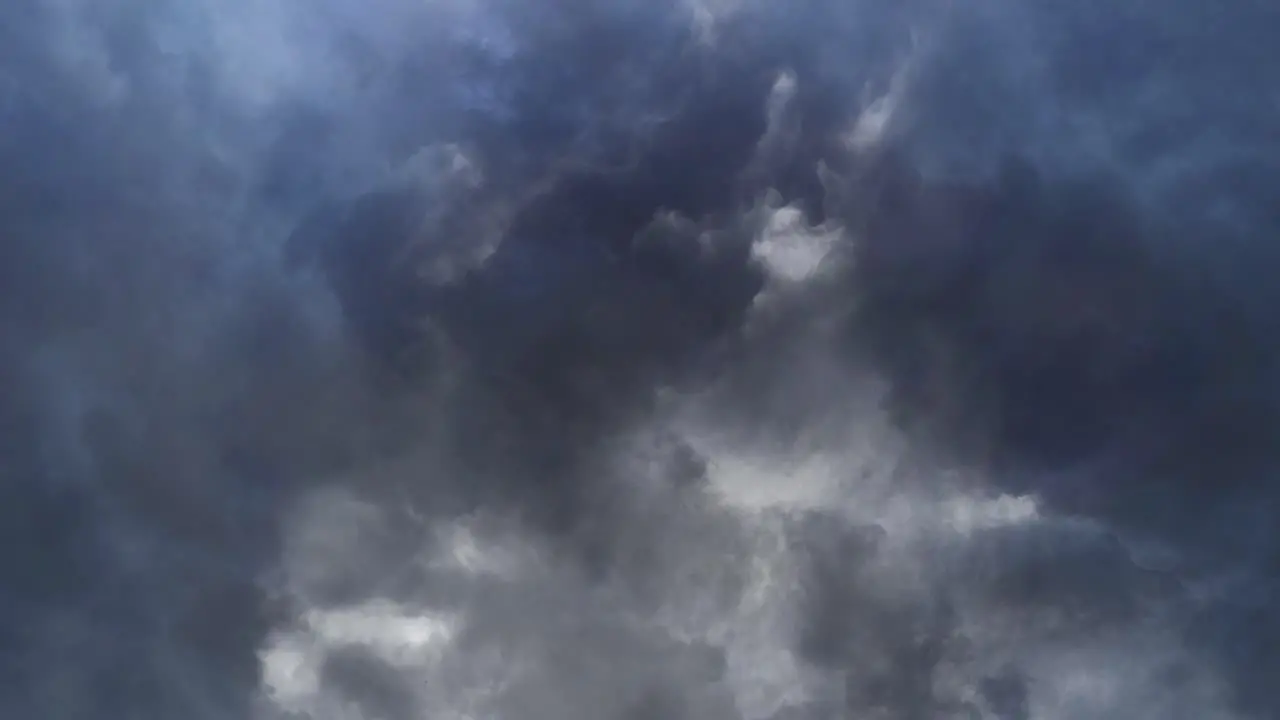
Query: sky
(607, 359)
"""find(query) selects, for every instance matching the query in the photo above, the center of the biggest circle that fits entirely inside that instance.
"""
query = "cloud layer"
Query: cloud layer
(610, 359)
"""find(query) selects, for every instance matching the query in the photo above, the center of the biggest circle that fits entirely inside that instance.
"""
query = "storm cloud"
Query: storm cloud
(613, 359)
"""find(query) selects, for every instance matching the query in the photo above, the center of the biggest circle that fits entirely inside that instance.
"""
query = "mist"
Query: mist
(641, 360)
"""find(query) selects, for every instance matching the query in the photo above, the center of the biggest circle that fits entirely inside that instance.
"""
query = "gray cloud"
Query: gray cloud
(636, 360)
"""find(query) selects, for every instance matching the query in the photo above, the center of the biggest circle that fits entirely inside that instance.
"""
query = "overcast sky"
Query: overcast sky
(755, 360)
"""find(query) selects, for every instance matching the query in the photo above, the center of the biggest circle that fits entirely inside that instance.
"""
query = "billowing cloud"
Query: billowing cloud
(611, 359)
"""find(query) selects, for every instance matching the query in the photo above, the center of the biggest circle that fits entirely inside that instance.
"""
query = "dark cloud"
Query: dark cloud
(637, 360)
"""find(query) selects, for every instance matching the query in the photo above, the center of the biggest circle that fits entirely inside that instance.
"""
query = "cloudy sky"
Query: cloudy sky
(639, 360)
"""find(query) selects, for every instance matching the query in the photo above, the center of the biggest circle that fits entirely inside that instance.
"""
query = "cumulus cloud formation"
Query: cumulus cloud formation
(640, 360)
